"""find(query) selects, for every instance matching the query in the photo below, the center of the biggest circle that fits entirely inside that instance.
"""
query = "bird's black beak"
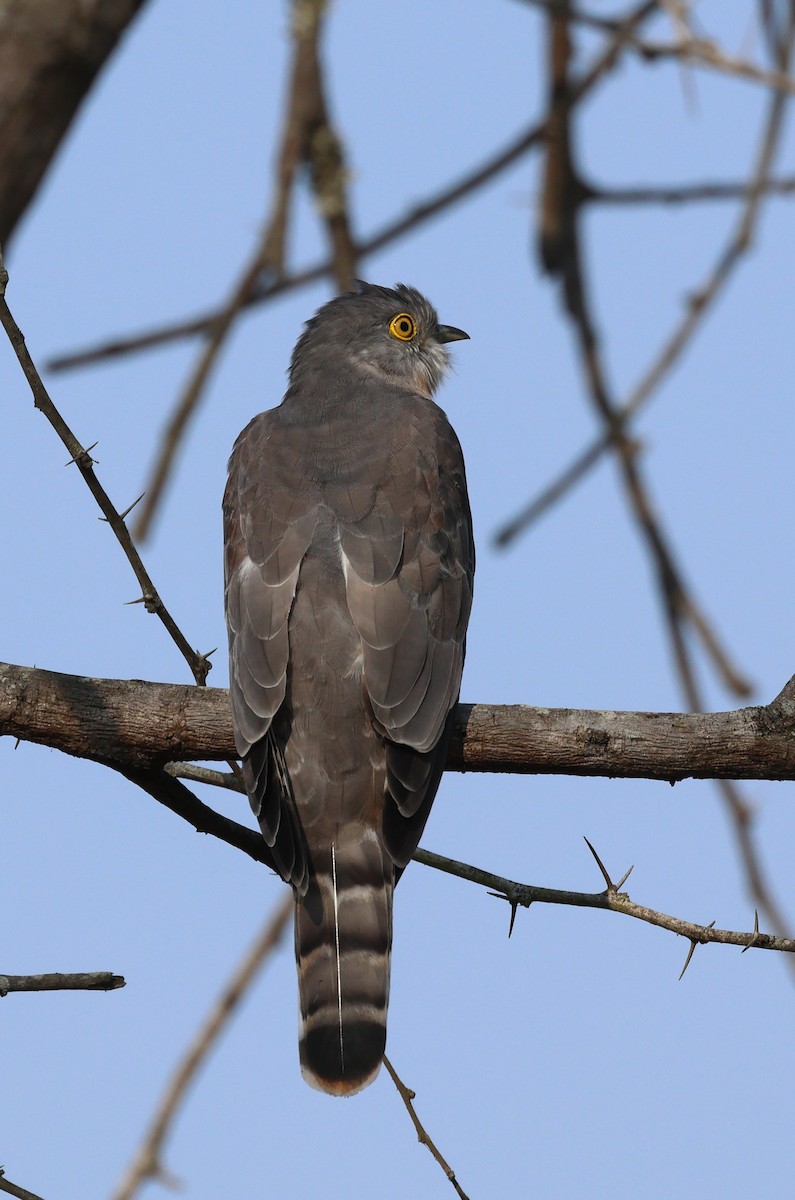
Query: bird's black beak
(449, 333)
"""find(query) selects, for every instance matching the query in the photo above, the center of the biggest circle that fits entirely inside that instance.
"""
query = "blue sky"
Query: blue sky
(565, 1061)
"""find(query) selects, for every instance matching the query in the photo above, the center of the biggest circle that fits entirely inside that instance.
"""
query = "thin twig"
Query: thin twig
(690, 50)
(408, 1096)
(683, 193)
(199, 663)
(81, 981)
(609, 900)
(699, 52)
(146, 1163)
(307, 137)
(416, 216)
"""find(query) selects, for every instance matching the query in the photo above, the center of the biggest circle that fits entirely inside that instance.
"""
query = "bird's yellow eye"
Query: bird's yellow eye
(403, 326)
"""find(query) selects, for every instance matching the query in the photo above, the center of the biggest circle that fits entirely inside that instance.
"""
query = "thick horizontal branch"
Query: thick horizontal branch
(140, 726)
(55, 981)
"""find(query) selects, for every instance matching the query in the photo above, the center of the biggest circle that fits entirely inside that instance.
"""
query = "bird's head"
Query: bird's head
(390, 333)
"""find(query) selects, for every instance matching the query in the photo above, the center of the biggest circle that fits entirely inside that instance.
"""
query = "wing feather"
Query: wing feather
(410, 607)
(269, 522)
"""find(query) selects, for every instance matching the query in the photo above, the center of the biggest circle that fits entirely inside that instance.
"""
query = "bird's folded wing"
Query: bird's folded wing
(409, 566)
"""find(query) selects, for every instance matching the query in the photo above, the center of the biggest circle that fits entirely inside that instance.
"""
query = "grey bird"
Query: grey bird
(349, 565)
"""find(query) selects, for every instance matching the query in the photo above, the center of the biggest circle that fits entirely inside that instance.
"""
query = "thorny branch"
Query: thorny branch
(146, 1164)
(199, 663)
(423, 1137)
(612, 899)
(308, 138)
(516, 893)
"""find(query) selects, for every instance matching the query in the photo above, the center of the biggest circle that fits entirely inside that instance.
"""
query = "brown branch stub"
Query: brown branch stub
(55, 981)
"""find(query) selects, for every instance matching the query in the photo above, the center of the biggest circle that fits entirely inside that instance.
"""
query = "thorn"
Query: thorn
(140, 600)
(624, 878)
(127, 511)
(756, 932)
(610, 886)
(693, 943)
(514, 906)
(209, 653)
(84, 454)
(690, 954)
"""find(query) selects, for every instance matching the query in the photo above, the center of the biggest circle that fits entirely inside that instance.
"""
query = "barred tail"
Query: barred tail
(343, 935)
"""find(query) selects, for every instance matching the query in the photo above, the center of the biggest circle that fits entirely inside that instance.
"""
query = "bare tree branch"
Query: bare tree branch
(168, 790)
(133, 725)
(679, 605)
(308, 137)
(677, 598)
(50, 54)
(701, 300)
(687, 49)
(199, 663)
(432, 207)
(146, 1164)
(406, 223)
(82, 981)
(521, 894)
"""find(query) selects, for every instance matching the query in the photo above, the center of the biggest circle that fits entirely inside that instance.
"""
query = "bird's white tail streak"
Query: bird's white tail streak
(343, 935)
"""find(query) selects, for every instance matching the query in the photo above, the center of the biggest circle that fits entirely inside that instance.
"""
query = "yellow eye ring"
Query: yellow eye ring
(403, 327)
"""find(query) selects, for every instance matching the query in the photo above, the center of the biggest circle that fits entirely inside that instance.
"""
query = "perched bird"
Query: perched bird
(349, 564)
